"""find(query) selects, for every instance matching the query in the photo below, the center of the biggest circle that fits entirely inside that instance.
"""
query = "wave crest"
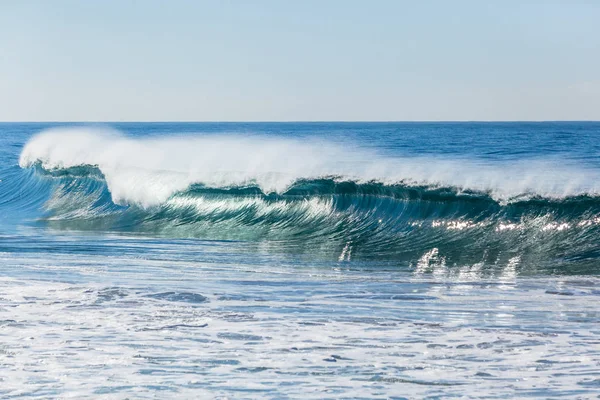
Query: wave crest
(148, 171)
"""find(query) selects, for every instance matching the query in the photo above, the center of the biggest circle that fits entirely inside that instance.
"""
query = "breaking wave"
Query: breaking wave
(314, 196)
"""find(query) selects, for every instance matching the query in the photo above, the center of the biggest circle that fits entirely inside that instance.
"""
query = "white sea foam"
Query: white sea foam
(148, 171)
(125, 326)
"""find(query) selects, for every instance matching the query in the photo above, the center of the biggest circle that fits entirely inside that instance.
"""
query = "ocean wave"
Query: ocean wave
(317, 196)
(148, 171)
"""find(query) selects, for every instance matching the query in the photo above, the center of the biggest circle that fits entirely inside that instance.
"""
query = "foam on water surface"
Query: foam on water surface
(250, 330)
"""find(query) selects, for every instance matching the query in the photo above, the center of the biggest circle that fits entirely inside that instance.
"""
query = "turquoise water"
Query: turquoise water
(299, 260)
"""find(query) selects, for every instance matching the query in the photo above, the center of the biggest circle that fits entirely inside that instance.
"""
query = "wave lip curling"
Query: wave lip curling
(149, 171)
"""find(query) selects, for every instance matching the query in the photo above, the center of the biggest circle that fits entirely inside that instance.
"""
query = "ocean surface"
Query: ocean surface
(300, 260)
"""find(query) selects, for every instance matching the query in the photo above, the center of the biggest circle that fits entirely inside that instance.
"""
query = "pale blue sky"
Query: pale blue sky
(119, 60)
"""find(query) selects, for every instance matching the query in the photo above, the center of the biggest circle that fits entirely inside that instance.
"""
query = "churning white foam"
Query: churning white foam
(148, 171)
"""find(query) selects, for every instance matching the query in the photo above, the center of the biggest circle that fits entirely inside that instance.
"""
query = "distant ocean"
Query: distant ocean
(300, 260)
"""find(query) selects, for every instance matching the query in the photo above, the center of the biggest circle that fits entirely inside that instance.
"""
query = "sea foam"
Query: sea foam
(148, 171)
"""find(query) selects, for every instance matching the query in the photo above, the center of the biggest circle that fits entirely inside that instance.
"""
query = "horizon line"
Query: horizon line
(285, 121)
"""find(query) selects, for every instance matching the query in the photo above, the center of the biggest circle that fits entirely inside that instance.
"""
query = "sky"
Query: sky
(310, 60)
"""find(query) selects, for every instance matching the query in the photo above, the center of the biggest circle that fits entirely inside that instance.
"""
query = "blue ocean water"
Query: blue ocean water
(299, 260)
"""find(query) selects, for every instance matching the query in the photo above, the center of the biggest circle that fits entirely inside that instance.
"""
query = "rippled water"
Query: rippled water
(135, 313)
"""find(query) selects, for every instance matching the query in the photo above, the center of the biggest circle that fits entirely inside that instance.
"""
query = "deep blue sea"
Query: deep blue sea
(300, 260)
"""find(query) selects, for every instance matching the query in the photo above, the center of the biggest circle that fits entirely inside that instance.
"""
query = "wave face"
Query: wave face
(316, 196)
